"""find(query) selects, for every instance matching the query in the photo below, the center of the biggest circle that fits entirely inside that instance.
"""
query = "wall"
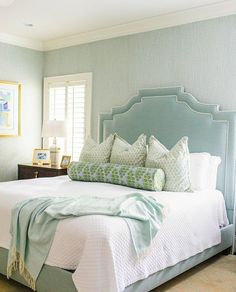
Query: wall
(200, 56)
(24, 66)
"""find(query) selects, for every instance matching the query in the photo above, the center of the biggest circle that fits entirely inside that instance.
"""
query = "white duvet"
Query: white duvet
(99, 248)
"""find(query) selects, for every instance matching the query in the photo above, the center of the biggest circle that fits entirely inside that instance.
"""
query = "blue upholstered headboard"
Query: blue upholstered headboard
(169, 114)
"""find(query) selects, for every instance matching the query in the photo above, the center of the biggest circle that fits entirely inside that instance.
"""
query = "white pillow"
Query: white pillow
(213, 169)
(203, 171)
(199, 170)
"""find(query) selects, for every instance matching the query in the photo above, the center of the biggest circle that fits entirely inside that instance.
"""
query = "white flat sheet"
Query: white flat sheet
(99, 248)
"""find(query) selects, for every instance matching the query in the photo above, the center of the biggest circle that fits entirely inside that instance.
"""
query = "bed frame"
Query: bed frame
(169, 114)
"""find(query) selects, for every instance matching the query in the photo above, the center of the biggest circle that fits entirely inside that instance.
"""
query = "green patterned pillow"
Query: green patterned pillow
(131, 176)
(94, 152)
(124, 153)
(175, 163)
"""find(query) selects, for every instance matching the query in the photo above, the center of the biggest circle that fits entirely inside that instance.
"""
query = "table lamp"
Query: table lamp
(54, 129)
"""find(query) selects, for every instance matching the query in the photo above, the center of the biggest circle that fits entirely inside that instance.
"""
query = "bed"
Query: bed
(168, 113)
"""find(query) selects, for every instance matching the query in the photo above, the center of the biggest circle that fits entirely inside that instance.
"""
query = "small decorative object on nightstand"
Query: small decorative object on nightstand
(41, 157)
(65, 161)
(26, 171)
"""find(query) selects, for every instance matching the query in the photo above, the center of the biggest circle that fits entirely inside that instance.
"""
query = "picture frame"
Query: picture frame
(65, 161)
(41, 157)
(10, 109)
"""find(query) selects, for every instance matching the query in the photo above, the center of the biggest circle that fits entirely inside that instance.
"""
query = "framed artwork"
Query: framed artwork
(65, 161)
(41, 157)
(10, 99)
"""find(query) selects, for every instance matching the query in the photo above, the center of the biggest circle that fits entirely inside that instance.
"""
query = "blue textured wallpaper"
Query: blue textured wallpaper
(200, 56)
(24, 66)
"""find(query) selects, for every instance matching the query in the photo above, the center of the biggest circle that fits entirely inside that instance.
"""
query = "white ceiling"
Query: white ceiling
(59, 18)
(53, 19)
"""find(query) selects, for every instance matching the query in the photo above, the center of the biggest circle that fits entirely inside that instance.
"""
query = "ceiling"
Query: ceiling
(53, 19)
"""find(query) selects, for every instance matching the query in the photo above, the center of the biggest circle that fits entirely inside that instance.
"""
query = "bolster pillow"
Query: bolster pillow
(151, 179)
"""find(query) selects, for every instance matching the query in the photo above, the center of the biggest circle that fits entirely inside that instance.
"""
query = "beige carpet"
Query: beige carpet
(215, 275)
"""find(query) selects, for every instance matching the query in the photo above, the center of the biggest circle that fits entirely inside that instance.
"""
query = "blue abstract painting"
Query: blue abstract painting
(9, 109)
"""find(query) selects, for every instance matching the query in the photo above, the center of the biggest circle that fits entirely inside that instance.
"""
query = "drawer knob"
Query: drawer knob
(36, 174)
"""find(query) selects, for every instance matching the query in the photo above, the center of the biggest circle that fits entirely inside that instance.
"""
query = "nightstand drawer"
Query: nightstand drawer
(30, 171)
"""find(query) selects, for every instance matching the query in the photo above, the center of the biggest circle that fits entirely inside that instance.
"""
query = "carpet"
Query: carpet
(215, 275)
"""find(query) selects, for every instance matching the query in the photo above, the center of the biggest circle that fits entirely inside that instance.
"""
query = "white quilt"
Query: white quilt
(99, 248)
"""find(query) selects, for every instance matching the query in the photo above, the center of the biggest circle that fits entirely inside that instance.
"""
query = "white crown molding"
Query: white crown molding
(148, 24)
(21, 41)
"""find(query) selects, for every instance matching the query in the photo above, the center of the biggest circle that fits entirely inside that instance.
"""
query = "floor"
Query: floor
(215, 275)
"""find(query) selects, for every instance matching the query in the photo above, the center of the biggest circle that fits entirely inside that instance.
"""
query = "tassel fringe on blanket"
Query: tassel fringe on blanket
(18, 264)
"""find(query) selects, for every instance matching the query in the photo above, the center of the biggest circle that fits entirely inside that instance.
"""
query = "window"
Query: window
(68, 98)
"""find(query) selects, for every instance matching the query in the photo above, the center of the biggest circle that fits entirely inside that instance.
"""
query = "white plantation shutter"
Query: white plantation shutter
(69, 101)
(57, 103)
(76, 119)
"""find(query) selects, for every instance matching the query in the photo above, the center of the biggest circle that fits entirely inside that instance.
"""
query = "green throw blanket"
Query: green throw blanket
(34, 222)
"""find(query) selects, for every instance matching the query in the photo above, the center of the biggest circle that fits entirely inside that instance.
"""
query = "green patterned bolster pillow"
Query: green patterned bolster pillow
(151, 179)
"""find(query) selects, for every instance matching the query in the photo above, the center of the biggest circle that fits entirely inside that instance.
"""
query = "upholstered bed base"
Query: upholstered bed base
(53, 279)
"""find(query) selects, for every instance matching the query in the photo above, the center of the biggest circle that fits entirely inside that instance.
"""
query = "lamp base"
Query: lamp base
(55, 154)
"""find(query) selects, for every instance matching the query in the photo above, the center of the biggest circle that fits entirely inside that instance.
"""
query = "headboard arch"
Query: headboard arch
(169, 114)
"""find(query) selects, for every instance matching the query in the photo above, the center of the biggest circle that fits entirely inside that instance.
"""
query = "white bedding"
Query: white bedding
(99, 248)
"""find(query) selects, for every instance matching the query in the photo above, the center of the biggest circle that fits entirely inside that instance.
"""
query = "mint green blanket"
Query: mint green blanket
(34, 222)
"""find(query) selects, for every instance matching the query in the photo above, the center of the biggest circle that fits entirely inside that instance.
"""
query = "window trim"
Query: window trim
(67, 79)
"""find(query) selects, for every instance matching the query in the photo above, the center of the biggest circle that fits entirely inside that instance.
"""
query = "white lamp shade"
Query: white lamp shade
(54, 129)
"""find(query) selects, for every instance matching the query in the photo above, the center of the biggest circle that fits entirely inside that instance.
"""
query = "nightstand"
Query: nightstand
(26, 171)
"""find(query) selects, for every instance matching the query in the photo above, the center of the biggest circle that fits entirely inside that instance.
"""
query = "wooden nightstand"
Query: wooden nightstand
(26, 171)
